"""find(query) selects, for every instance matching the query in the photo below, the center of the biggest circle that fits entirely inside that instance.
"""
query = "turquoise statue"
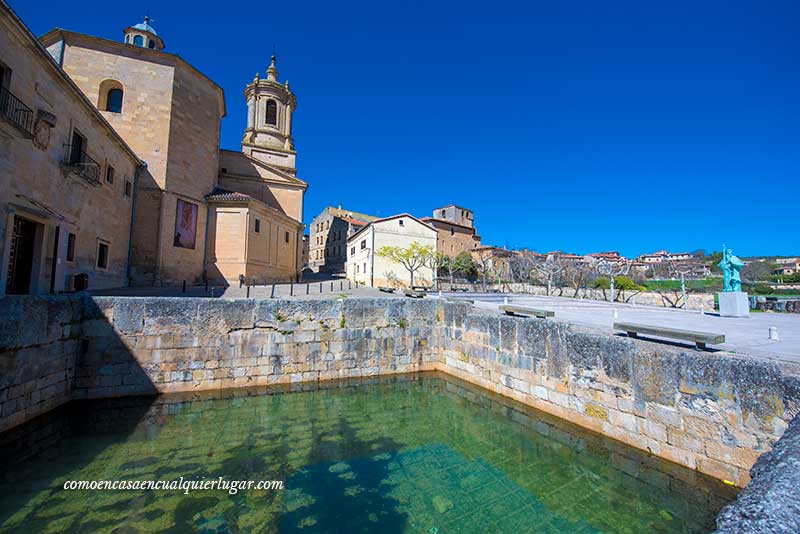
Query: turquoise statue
(731, 265)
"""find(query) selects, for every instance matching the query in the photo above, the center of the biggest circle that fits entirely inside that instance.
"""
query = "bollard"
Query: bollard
(331, 287)
(773, 333)
(341, 285)
(349, 284)
(505, 300)
(184, 286)
(307, 286)
(248, 291)
(291, 289)
(616, 314)
(320, 287)
(272, 292)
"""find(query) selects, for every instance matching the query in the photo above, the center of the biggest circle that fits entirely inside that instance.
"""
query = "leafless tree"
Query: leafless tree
(612, 269)
(576, 275)
(550, 269)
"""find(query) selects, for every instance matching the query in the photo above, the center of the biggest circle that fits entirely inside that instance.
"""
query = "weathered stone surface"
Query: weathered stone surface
(771, 502)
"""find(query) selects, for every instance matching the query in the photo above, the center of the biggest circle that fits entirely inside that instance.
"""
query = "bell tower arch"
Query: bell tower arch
(268, 136)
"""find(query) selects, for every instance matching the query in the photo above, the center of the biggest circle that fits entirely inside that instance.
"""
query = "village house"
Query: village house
(455, 229)
(367, 267)
(328, 236)
(67, 178)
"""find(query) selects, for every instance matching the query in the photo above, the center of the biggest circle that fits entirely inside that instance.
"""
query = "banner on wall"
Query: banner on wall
(185, 224)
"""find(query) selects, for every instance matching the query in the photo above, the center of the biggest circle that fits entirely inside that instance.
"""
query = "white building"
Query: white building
(365, 266)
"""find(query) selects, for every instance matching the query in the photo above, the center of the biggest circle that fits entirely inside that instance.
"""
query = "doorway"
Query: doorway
(21, 254)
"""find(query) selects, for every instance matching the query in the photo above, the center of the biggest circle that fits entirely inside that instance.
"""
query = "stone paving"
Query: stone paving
(742, 335)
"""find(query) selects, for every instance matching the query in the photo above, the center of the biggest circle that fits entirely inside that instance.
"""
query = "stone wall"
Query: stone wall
(714, 412)
(146, 345)
(39, 343)
(775, 304)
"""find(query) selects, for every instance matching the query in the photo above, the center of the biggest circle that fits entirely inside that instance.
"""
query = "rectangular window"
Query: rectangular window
(401, 222)
(363, 244)
(109, 174)
(353, 251)
(71, 247)
(128, 188)
(77, 148)
(102, 255)
(258, 226)
(286, 237)
(365, 268)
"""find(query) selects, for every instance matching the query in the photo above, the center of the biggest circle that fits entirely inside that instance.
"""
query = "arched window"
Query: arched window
(127, 39)
(110, 96)
(138, 40)
(151, 44)
(272, 112)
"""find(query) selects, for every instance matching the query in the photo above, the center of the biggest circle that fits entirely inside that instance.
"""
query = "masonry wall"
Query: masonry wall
(39, 344)
(713, 412)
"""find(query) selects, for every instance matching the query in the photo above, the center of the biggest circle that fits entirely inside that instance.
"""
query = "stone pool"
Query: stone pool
(424, 454)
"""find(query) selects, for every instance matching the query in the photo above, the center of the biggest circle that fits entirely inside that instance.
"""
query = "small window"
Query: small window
(138, 40)
(102, 255)
(365, 267)
(109, 174)
(77, 148)
(272, 112)
(258, 226)
(114, 100)
(357, 269)
(444, 213)
(352, 250)
(452, 231)
(286, 237)
(71, 247)
(151, 44)
(402, 222)
(363, 244)
(127, 39)
(128, 188)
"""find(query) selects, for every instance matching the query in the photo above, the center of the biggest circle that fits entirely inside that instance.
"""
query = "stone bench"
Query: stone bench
(420, 288)
(414, 294)
(519, 311)
(386, 289)
(700, 339)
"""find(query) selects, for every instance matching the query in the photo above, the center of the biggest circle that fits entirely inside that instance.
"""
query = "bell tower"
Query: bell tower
(268, 136)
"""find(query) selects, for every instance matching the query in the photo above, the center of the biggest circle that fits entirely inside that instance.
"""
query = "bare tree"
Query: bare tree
(550, 269)
(612, 269)
(576, 274)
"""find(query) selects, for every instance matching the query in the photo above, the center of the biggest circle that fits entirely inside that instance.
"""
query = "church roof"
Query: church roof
(224, 195)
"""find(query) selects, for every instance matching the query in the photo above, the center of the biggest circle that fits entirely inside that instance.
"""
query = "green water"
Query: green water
(424, 454)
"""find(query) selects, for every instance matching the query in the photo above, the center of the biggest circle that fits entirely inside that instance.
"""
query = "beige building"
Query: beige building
(67, 178)
(455, 228)
(201, 212)
(367, 267)
(329, 233)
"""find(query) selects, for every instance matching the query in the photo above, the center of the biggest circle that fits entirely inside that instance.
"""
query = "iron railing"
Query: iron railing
(81, 164)
(15, 111)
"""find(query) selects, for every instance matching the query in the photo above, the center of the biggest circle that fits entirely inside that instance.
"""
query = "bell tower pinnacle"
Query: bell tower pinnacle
(270, 104)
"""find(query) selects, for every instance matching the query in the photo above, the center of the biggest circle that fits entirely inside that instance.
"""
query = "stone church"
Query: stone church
(199, 212)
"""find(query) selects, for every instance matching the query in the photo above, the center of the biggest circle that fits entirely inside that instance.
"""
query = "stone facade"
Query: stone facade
(330, 231)
(171, 116)
(367, 267)
(171, 113)
(63, 212)
(713, 412)
(456, 231)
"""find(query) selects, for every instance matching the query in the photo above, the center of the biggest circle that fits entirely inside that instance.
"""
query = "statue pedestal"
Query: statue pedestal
(734, 304)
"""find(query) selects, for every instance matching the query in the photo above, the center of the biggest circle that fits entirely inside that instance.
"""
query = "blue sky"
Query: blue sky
(580, 126)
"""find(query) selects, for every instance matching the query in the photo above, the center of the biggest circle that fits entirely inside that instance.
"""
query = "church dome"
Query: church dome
(144, 35)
